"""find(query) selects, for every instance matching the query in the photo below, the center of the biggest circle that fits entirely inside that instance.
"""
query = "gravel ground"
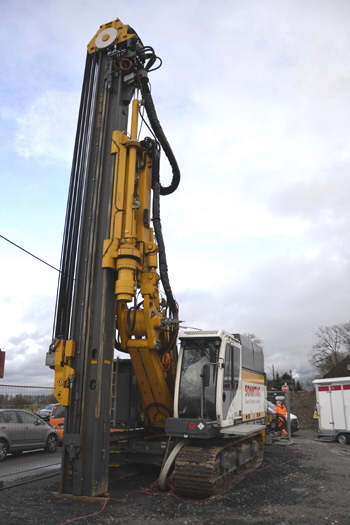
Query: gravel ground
(307, 483)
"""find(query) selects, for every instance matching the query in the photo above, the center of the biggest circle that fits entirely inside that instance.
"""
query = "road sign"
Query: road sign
(285, 387)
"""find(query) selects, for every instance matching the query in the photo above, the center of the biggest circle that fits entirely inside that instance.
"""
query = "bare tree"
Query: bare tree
(332, 345)
(255, 339)
(343, 331)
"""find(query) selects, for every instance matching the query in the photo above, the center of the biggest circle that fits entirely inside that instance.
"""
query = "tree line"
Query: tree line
(22, 401)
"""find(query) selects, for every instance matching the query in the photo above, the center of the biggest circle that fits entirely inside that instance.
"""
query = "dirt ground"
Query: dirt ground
(303, 405)
(306, 483)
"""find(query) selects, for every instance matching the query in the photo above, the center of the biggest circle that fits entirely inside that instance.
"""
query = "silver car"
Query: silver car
(20, 430)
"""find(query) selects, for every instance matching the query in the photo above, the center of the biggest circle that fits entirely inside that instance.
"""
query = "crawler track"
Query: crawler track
(203, 470)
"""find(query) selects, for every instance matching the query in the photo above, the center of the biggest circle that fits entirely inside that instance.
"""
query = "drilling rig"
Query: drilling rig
(197, 404)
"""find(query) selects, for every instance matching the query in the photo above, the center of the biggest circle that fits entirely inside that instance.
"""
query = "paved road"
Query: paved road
(15, 469)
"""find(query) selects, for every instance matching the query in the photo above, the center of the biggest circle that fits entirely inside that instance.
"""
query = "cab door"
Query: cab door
(231, 381)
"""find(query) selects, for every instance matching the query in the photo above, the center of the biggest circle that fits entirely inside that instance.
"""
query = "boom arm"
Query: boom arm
(109, 262)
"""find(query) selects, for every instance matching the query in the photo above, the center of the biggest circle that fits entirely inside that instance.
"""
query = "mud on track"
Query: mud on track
(305, 483)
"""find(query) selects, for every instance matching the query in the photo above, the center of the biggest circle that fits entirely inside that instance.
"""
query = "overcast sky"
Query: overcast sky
(254, 98)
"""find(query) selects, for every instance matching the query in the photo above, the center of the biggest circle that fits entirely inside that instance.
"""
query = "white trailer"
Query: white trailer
(333, 408)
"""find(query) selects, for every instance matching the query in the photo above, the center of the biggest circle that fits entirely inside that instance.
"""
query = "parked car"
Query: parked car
(57, 418)
(294, 421)
(20, 430)
(44, 413)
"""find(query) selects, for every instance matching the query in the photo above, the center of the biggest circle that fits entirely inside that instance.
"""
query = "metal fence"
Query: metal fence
(31, 398)
(19, 466)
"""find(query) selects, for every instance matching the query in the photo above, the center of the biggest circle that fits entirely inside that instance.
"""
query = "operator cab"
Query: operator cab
(220, 383)
(209, 366)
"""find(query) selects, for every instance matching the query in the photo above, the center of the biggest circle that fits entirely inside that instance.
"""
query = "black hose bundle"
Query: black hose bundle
(152, 147)
(159, 190)
(159, 133)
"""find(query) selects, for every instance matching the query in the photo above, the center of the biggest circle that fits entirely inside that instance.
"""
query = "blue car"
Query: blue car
(45, 413)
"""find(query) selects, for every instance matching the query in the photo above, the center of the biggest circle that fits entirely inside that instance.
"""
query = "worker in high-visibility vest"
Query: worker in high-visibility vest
(281, 409)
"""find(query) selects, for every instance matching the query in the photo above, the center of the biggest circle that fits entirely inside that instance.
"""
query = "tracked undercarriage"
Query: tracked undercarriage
(204, 469)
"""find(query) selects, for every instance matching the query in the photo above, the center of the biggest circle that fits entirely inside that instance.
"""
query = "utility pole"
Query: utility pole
(2, 363)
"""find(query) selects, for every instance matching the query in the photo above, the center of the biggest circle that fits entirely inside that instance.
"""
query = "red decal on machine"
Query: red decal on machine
(252, 391)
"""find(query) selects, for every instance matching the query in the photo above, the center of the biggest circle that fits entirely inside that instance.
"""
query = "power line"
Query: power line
(35, 257)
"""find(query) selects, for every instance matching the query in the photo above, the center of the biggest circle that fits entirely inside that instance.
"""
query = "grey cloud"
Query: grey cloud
(254, 101)
(26, 351)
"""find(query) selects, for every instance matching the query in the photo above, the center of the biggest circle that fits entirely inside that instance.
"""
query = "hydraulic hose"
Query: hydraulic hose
(152, 148)
(159, 133)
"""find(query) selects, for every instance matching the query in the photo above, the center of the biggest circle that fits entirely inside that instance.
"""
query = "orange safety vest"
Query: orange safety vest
(281, 409)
